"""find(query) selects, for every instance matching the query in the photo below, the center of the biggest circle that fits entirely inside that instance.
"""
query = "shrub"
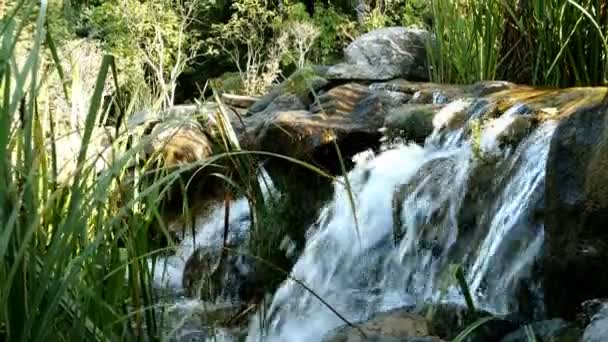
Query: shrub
(337, 30)
(252, 41)
(149, 40)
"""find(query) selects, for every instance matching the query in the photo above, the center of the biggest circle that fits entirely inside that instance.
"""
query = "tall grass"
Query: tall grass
(468, 35)
(539, 42)
(73, 257)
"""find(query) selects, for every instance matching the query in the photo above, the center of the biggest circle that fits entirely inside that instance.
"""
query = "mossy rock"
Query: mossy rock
(411, 122)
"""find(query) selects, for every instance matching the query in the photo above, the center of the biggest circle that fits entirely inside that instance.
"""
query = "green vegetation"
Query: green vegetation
(549, 42)
(75, 251)
(73, 263)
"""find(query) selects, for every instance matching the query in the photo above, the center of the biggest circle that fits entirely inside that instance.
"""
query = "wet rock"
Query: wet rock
(576, 217)
(391, 326)
(449, 320)
(209, 275)
(452, 116)
(390, 52)
(597, 330)
(411, 122)
(432, 172)
(554, 330)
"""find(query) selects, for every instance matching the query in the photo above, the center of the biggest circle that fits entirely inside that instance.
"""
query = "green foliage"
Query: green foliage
(406, 13)
(252, 41)
(337, 30)
(395, 13)
(549, 42)
(73, 256)
(374, 20)
(141, 34)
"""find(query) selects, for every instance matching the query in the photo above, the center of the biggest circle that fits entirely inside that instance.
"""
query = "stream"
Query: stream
(464, 198)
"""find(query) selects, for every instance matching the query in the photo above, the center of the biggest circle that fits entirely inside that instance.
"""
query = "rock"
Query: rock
(591, 308)
(508, 129)
(391, 52)
(284, 102)
(340, 100)
(301, 83)
(554, 330)
(411, 122)
(209, 276)
(597, 330)
(180, 142)
(391, 326)
(449, 320)
(452, 116)
(310, 137)
(350, 115)
(359, 72)
(239, 101)
(576, 193)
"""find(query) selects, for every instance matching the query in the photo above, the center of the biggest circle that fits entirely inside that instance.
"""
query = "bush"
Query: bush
(149, 40)
(252, 41)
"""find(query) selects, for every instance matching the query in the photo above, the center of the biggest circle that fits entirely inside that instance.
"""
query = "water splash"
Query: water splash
(420, 210)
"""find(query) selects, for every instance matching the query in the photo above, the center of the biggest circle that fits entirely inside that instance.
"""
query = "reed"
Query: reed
(74, 257)
(540, 42)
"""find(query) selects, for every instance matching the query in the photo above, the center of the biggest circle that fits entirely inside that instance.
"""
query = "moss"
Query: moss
(411, 122)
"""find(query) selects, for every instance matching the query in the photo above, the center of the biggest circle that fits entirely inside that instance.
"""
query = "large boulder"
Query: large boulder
(350, 115)
(385, 54)
(576, 221)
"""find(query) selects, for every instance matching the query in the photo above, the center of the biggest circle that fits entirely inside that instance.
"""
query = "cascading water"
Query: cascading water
(460, 199)
(209, 234)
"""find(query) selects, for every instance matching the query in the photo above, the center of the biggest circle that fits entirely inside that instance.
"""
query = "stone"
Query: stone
(209, 275)
(239, 101)
(411, 122)
(395, 325)
(180, 142)
(553, 330)
(597, 330)
(448, 320)
(340, 100)
(576, 217)
(391, 52)
(359, 72)
(301, 83)
(284, 102)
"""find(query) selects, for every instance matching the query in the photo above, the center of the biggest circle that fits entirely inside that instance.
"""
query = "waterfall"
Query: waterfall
(459, 199)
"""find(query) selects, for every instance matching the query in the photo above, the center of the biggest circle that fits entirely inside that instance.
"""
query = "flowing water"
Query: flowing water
(459, 199)
(419, 211)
